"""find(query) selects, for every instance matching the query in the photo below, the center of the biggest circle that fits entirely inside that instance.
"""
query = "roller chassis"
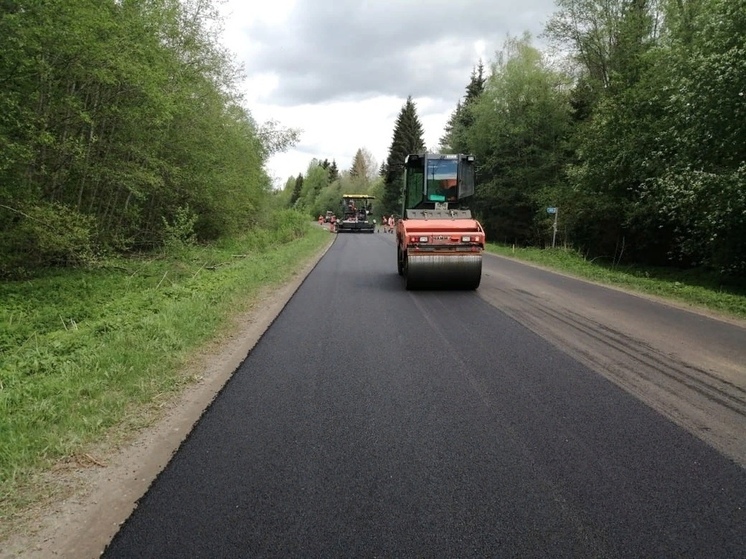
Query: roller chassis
(439, 249)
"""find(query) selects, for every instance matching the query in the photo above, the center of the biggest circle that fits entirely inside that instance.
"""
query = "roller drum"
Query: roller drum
(443, 271)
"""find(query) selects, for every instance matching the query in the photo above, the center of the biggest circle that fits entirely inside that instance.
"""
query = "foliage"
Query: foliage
(117, 115)
(519, 121)
(45, 233)
(714, 206)
(275, 138)
(461, 120)
(314, 181)
(635, 131)
(180, 232)
(297, 189)
(407, 138)
(329, 198)
(363, 165)
(333, 171)
(321, 188)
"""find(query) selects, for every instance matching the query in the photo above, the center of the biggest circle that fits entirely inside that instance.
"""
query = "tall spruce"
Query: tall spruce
(297, 190)
(408, 138)
(462, 117)
(333, 171)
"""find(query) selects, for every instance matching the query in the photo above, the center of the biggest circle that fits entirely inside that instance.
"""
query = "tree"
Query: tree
(276, 138)
(363, 165)
(314, 181)
(118, 119)
(407, 138)
(701, 132)
(453, 140)
(519, 121)
(297, 189)
(327, 199)
(333, 171)
(617, 110)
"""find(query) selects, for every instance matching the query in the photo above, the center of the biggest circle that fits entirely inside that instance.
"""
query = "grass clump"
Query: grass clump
(700, 288)
(86, 351)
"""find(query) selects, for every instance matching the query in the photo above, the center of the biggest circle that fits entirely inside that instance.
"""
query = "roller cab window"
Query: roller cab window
(442, 180)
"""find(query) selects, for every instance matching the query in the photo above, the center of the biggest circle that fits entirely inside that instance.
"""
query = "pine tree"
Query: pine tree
(446, 142)
(461, 118)
(408, 138)
(333, 171)
(476, 84)
(297, 190)
(358, 165)
(363, 165)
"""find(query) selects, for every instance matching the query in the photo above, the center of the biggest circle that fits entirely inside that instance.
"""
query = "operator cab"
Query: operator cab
(437, 181)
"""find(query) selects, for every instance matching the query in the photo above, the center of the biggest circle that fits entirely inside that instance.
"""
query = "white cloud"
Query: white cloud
(333, 131)
(480, 48)
(341, 70)
(241, 14)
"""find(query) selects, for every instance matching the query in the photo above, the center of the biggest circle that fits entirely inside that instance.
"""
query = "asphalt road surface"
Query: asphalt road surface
(374, 422)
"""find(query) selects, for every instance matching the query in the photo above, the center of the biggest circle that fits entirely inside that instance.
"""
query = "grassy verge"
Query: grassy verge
(693, 287)
(85, 353)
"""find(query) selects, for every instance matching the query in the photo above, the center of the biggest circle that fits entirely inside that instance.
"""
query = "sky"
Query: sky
(340, 71)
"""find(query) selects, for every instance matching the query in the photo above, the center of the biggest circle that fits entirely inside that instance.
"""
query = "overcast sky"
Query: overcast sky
(341, 70)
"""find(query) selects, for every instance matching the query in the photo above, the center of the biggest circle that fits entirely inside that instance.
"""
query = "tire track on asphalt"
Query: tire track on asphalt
(542, 476)
(710, 407)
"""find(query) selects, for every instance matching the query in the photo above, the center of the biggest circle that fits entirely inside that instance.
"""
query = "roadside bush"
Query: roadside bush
(180, 232)
(47, 235)
(290, 225)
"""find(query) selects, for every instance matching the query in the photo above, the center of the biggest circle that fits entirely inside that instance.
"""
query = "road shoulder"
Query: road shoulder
(104, 489)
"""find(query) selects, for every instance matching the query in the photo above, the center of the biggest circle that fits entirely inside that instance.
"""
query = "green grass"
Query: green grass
(697, 288)
(85, 354)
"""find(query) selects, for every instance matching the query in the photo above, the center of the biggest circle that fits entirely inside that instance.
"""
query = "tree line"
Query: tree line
(121, 126)
(636, 134)
(321, 187)
(631, 123)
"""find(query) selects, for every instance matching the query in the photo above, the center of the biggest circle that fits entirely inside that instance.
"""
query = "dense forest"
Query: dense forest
(121, 128)
(631, 122)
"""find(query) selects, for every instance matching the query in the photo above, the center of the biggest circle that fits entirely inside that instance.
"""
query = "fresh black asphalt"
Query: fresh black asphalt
(370, 421)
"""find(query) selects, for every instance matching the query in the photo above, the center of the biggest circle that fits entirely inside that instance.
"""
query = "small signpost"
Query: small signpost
(554, 211)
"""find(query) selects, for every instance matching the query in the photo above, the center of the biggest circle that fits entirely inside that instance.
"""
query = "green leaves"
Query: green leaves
(516, 135)
(125, 112)
(657, 146)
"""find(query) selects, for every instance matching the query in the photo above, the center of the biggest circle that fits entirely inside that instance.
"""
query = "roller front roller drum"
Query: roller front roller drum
(442, 271)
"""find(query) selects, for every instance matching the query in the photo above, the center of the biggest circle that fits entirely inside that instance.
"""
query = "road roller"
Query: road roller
(439, 244)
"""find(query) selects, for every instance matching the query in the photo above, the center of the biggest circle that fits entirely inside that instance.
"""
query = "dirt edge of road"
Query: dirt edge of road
(106, 491)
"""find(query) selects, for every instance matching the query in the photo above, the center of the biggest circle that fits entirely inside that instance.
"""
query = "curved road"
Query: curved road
(371, 421)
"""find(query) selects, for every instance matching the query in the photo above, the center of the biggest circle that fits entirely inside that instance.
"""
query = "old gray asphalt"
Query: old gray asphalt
(374, 422)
